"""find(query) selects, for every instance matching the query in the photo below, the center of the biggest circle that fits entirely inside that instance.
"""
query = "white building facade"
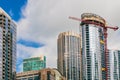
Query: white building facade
(114, 65)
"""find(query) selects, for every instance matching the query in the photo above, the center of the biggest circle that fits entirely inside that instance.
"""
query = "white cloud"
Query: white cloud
(11, 13)
(45, 19)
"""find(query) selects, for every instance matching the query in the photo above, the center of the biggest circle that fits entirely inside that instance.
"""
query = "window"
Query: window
(30, 78)
(48, 75)
(36, 78)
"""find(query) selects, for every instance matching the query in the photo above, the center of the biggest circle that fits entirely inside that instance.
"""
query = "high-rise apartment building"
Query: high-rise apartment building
(7, 46)
(69, 55)
(93, 56)
(35, 63)
(114, 65)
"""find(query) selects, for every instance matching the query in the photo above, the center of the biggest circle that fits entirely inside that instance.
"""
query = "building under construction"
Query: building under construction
(94, 46)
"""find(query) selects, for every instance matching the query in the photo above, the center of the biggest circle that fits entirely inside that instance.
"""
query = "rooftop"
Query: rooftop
(3, 12)
(94, 17)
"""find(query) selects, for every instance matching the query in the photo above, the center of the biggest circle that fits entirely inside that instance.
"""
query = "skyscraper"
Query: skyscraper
(114, 65)
(35, 63)
(7, 46)
(69, 55)
(93, 56)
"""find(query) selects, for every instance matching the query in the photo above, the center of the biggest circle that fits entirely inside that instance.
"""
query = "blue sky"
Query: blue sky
(28, 43)
(13, 7)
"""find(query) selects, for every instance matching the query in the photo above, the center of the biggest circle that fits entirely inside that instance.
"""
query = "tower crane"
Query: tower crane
(105, 28)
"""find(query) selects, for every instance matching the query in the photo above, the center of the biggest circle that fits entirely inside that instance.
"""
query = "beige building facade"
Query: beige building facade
(43, 74)
(69, 55)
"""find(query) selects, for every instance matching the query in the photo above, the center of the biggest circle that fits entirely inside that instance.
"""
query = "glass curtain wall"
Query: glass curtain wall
(91, 52)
